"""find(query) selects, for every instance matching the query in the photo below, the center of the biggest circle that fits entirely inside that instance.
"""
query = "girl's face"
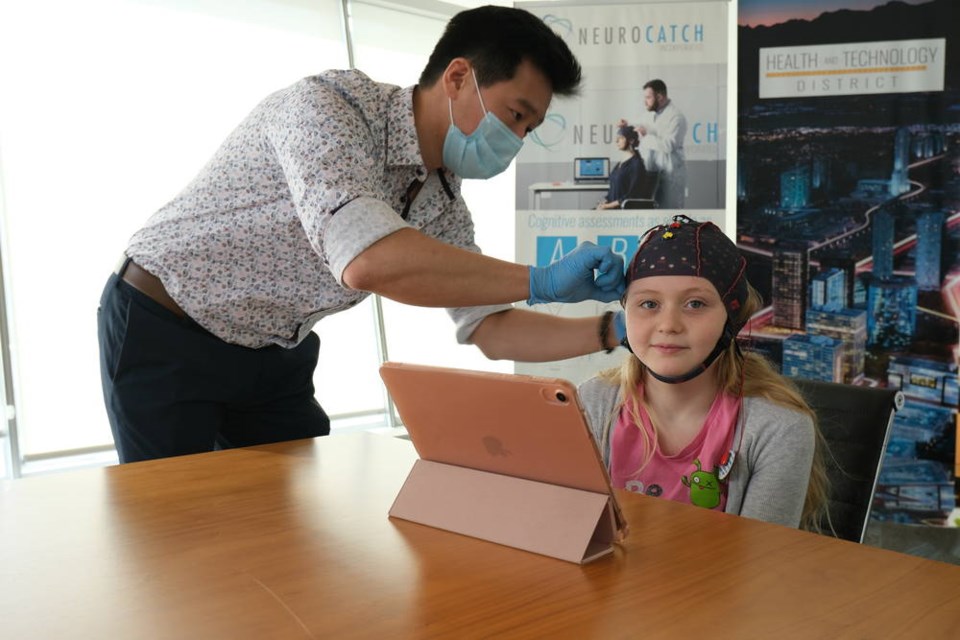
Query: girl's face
(621, 143)
(673, 322)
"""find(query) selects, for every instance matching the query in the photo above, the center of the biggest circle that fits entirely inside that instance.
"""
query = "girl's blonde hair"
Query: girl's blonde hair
(750, 375)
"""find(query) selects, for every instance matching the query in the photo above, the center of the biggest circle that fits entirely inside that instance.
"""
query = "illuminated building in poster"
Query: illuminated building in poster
(891, 312)
(828, 290)
(795, 188)
(848, 265)
(881, 223)
(849, 327)
(769, 347)
(820, 175)
(924, 379)
(814, 357)
(743, 173)
(929, 245)
(872, 189)
(860, 284)
(901, 161)
(791, 266)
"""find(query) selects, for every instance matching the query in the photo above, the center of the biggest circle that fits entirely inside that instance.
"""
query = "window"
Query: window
(110, 107)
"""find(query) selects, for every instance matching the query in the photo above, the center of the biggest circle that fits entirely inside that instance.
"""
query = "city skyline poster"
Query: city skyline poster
(848, 183)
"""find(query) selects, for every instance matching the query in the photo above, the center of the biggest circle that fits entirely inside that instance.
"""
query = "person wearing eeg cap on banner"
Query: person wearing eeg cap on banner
(689, 416)
(331, 189)
(627, 177)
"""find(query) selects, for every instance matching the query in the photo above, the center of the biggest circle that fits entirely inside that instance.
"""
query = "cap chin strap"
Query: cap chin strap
(722, 344)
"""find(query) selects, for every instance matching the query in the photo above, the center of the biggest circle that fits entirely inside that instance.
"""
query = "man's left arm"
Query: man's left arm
(502, 332)
(528, 336)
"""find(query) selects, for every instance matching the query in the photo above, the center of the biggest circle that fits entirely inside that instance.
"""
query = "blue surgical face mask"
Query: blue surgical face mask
(484, 153)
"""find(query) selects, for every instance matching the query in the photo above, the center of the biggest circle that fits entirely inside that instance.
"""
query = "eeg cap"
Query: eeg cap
(686, 247)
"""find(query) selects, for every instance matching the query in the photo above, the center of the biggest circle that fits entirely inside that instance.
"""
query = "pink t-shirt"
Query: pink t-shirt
(678, 477)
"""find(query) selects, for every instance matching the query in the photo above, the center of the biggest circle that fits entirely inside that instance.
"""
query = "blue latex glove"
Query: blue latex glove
(572, 279)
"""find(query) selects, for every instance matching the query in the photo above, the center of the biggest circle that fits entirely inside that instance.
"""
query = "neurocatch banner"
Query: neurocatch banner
(901, 66)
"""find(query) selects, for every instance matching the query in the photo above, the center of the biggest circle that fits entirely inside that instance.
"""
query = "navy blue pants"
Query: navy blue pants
(173, 388)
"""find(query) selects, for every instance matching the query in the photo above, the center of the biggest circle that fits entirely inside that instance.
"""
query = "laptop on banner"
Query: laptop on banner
(587, 170)
(521, 427)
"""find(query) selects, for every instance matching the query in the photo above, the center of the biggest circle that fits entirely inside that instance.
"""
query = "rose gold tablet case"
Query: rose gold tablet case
(504, 457)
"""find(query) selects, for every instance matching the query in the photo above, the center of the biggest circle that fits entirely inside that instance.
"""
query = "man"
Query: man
(661, 144)
(331, 189)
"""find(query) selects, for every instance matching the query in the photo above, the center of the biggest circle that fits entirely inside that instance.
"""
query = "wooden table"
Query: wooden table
(293, 541)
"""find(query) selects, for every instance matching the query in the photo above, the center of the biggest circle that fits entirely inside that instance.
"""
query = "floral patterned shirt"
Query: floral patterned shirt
(254, 248)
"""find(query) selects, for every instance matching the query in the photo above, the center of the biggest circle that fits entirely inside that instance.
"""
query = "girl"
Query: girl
(689, 417)
(629, 177)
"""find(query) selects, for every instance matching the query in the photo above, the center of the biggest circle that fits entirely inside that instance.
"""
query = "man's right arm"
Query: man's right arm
(410, 267)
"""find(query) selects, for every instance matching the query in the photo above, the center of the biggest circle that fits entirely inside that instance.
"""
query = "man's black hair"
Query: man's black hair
(657, 85)
(496, 40)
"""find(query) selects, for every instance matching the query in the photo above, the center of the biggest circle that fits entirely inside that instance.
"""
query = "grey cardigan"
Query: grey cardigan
(772, 469)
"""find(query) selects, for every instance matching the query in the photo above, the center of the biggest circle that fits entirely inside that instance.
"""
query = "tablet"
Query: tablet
(522, 426)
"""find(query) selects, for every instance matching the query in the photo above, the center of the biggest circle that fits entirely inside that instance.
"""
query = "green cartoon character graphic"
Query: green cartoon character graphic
(704, 487)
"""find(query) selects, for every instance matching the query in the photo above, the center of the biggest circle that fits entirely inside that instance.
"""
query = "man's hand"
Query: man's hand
(572, 278)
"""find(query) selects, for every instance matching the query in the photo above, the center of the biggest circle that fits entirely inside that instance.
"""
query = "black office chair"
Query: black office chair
(646, 192)
(855, 422)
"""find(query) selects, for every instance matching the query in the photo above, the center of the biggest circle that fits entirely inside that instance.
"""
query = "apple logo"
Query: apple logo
(494, 446)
